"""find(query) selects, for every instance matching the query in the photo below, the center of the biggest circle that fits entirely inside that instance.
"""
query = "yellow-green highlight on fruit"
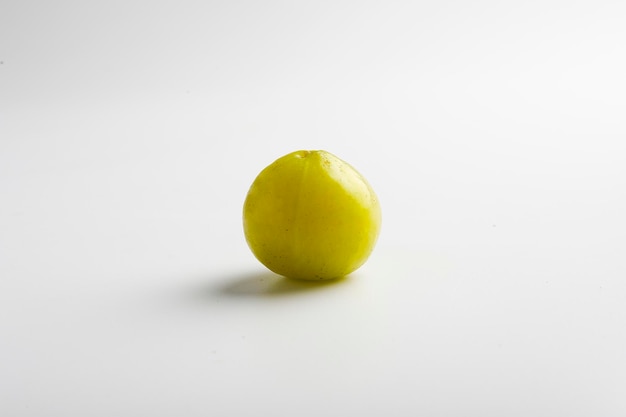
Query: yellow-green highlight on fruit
(309, 215)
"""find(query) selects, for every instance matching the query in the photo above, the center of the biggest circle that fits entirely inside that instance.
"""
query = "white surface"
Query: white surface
(493, 133)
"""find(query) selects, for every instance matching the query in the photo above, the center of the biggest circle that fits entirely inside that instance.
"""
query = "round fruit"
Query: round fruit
(310, 215)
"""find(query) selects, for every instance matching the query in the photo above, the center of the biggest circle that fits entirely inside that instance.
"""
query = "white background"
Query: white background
(494, 133)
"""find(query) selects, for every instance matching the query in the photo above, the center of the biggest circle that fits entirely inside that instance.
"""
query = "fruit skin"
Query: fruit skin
(309, 215)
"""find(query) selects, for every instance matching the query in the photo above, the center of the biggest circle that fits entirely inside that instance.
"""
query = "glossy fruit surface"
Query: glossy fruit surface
(310, 215)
